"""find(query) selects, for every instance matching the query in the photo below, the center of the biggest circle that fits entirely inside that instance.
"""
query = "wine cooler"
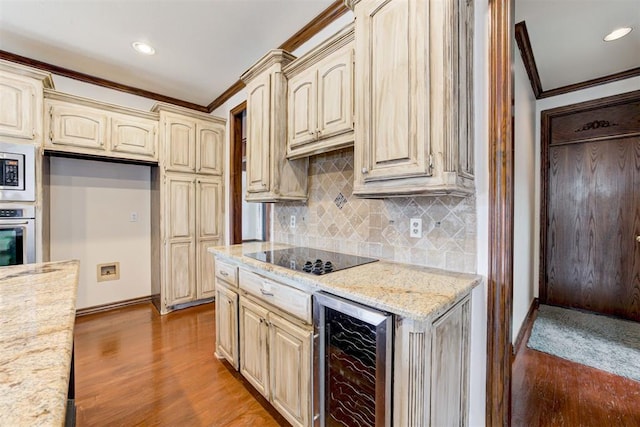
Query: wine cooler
(353, 363)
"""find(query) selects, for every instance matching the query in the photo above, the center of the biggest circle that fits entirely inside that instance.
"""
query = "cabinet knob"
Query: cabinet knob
(638, 238)
(365, 170)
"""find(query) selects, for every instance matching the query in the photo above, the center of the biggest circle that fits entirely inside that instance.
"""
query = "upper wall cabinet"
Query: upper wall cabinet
(193, 142)
(413, 94)
(320, 97)
(86, 127)
(21, 102)
(270, 176)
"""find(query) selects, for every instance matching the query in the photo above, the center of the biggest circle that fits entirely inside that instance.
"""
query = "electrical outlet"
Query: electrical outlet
(415, 227)
(292, 221)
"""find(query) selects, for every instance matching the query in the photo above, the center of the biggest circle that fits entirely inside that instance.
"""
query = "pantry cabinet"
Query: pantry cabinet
(413, 94)
(320, 97)
(21, 102)
(86, 127)
(270, 176)
(193, 223)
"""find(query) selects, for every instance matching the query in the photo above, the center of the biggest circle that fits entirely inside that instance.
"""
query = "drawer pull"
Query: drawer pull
(265, 293)
(224, 273)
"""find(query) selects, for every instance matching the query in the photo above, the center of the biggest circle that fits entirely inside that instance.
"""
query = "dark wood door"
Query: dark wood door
(593, 215)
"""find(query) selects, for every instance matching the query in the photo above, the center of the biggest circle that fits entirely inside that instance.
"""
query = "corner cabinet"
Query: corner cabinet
(270, 176)
(320, 97)
(188, 194)
(86, 127)
(413, 94)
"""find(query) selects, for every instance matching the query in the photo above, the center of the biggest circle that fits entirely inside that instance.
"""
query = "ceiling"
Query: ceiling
(203, 46)
(567, 38)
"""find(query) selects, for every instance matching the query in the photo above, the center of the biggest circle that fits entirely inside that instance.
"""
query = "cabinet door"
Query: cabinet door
(205, 268)
(180, 144)
(76, 126)
(335, 94)
(17, 103)
(392, 107)
(258, 134)
(210, 148)
(134, 135)
(227, 325)
(253, 345)
(302, 123)
(209, 226)
(449, 367)
(290, 369)
(180, 239)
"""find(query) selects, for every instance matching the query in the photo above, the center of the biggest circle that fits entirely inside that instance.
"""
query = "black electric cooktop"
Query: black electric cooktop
(314, 261)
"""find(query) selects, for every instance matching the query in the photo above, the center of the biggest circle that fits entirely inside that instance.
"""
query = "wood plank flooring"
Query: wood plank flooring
(550, 391)
(135, 367)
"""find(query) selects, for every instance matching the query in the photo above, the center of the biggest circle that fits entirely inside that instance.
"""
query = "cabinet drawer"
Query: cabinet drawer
(227, 272)
(286, 298)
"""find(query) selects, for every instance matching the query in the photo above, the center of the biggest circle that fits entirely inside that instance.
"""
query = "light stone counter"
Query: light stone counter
(37, 312)
(414, 292)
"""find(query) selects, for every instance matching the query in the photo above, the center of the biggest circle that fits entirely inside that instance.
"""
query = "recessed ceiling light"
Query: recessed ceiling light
(616, 34)
(143, 48)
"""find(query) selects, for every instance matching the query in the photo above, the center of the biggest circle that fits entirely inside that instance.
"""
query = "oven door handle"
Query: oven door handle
(4, 222)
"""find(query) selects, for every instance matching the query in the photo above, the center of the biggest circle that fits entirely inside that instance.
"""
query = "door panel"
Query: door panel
(253, 346)
(593, 258)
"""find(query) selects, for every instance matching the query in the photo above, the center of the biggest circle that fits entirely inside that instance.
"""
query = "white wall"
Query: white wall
(525, 171)
(478, 372)
(91, 203)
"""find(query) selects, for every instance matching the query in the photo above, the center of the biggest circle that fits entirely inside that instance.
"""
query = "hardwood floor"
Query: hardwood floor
(135, 367)
(550, 391)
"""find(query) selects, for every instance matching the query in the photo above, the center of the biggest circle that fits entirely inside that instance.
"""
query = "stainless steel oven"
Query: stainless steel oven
(17, 172)
(352, 363)
(17, 235)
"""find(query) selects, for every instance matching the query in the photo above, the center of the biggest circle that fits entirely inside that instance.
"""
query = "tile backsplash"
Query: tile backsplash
(334, 219)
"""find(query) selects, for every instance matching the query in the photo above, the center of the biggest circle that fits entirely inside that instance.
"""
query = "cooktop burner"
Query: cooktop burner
(314, 261)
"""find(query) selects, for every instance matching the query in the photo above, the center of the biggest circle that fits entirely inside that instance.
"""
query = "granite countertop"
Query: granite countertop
(411, 291)
(38, 309)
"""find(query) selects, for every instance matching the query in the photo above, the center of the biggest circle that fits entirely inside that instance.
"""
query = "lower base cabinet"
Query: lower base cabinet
(275, 357)
(227, 324)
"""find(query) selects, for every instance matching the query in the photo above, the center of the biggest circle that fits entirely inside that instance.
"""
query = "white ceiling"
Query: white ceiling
(203, 46)
(566, 38)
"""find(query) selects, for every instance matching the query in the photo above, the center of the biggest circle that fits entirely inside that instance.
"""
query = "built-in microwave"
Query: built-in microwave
(17, 172)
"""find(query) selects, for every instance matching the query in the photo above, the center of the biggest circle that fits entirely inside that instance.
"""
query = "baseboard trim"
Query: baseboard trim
(112, 306)
(526, 325)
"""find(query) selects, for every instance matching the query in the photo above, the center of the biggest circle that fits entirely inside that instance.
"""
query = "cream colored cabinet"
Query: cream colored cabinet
(254, 352)
(270, 176)
(180, 240)
(193, 142)
(21, 102)
(86, 127)
(275, 357)
(227, 324)
(320, 97)
(226, 280)
(413, 110)
(289, 368)
(194, 218)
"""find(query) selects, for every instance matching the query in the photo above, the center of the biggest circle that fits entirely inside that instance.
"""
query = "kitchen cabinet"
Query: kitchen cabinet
(414, 95)
(21, 102)
(188, 190)
(87, 127)
(192, 222)
(226, 312)
(271, 177)
(320, 97)
(193, 142)
(275, 344)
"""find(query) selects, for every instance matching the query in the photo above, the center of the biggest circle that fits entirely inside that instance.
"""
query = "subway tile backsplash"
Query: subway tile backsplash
(333, 219)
